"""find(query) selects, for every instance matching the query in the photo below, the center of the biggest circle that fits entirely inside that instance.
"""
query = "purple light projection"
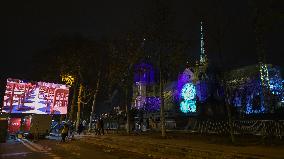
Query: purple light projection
(147, 103)
(144, 73)
(144, 76)
(152, 103)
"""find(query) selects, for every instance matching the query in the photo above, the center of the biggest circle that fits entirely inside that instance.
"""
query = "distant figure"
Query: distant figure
(152, 123)
(102, 125)
(80, 128)
(139, 125)
(64, 132)
(71, 130)
(84, 123)
(147, 123)
(98, 127)
(108, 126)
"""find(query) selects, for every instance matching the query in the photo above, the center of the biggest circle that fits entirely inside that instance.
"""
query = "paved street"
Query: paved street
(177, 146)
(24, 149)
(136, 146)
(53, 149)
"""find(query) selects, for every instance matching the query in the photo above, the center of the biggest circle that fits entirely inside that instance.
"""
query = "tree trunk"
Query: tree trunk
(79, 105)
(162, 113)
(71, 115)
(94, 103)
(83, 104)
(127, 113)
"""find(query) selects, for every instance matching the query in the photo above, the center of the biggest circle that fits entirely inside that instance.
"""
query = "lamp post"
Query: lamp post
(70, 80)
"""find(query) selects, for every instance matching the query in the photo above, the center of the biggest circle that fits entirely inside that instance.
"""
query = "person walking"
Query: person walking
(101, 121)
(84, 123)
(71, 130)
(98, 127)
(80, 128)
(64, 132)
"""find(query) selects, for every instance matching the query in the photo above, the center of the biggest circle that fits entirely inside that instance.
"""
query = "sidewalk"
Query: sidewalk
(156, 147)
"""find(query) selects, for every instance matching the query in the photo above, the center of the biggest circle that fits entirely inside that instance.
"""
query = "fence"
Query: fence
(253, 127)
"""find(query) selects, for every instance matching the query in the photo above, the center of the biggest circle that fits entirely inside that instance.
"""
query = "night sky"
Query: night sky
(27, 27)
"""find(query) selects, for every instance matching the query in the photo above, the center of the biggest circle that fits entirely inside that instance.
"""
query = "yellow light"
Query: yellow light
(68, 79)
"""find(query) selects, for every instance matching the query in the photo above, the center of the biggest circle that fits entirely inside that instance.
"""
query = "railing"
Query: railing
(253, 127)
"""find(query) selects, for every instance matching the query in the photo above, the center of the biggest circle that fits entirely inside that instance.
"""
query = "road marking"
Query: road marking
(28, 146)
(14, 154)
(49, 153)
(37, 146)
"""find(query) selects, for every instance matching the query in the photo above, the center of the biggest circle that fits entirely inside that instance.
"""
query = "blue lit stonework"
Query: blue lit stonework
(260, 92)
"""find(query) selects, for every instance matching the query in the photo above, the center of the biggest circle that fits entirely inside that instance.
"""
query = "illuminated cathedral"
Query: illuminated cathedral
(252, 89)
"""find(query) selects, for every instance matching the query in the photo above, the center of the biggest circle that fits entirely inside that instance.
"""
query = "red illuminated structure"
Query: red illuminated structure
(14, 125)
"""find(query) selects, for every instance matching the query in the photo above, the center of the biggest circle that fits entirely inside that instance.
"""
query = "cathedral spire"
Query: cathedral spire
(203, 58)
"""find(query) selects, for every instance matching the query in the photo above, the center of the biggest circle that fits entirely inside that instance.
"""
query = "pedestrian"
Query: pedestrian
(140, 123)
(84, 124)
(64, 132)
(71, 130)
(102, 125)
(98, 127)
(80, 128)
(147, 123)
(108, 127)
